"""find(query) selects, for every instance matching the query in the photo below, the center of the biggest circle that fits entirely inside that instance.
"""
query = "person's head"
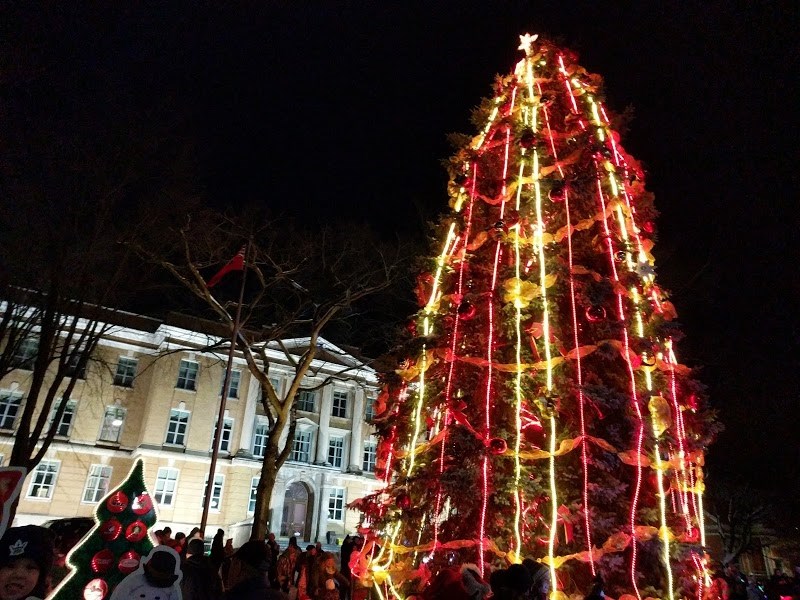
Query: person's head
(249, 561)
(26, 557)
(195, 533)
(271, 536)
(328, 564)
(293, 542)
(318, 546)
(180, 536)
(159, 533)
(195, 548)
(167, 532)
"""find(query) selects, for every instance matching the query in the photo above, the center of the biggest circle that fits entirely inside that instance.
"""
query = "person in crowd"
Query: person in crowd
(737, 583)
(159, 534)
(26, 557)
(180, 543)
(540, 578)
(329, 584)
(201, 579)
(274, 553)
(218, 549)
(305, 572)
(286, 565)
(513, 583)
(195, 534)
(247, 577)
(166, 537)
(229, 547)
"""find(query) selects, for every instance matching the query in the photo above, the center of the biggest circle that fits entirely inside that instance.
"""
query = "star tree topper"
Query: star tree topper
(526, 43)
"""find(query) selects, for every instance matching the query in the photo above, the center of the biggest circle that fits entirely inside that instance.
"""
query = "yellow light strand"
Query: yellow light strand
(518, 391)
(662, 503)
(551, 542)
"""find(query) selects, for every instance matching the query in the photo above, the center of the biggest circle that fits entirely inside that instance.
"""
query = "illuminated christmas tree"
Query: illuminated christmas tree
(116, 545)
(543, 413)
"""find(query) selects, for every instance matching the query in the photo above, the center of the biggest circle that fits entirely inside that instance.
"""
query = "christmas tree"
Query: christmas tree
(543, 413)
(115, 546)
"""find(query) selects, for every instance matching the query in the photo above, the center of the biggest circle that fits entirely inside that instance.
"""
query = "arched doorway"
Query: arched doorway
(296, 517)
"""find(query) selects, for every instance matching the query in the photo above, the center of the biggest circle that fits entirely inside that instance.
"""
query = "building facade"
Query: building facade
(152, 390)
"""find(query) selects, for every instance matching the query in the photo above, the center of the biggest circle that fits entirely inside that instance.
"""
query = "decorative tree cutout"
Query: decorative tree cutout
(542, 413)
(116, 545)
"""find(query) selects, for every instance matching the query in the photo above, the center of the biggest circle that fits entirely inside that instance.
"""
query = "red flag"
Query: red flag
(235, 264)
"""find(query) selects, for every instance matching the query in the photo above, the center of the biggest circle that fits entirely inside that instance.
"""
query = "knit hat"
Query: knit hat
(29, 541)
(254, 553)
(160, 569)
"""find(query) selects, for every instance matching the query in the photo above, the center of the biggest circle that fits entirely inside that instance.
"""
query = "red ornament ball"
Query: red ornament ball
(467, 311)
(136, 532)
(128, 562)
(102, 561)
(110, 530)
(403, 501)
(595, 314)
(142, 504)
(557, 193)
(96, 589)
(117, 502)
(497, 446)
(648, 226)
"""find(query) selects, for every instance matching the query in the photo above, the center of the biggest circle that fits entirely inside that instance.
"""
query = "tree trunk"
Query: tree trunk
(266, 484)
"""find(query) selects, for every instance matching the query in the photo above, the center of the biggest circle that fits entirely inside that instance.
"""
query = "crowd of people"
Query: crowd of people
(260, 570)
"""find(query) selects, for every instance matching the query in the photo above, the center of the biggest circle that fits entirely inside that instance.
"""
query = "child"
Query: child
(26, 557)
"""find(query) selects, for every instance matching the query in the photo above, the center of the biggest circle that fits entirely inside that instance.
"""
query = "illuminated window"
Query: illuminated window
(9, 406)
(369, 410)
(126, 371)
(97, 483)
(25, 354)
(216, 492)
(251, 506)
(187, 375)
(65, 424)
(301, 450)
(176, 428)
(339, 404)
(233, 386)
(227, 431)
(113, 420)
(336, 451)
(370, 456)
(166, 482)
(306, 401)
(260, 436)
(336, 504)
(43, 480)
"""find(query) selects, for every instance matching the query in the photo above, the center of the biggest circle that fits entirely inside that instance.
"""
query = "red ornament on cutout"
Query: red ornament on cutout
(102, 561)
(136, 532)
(595, 314)
(142, 504)
(128, 562)
(96, 589)
(110, 530)
(497, 446)
(117, 502)
(466, 311)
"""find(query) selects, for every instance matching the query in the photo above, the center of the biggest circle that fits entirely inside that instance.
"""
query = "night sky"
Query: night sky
(341, 109)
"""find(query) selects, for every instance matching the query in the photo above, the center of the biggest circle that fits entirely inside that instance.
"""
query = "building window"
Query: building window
(187, 375)
(260, 436)
(112, 424)
(306, 400)
(276, 385)
(9, 405)
(166, 482)
(126, 371)
(25, 354)
(339, 404)
(227, 431)
(336, 505)
(43, 481)
(369, 410)
(176, 429)
(302, 446)
(216, 492)
(97, 483)
(65, 424)
(73, 366)
(370, 456)
(251, 506)
(336, 452)
(233, 385)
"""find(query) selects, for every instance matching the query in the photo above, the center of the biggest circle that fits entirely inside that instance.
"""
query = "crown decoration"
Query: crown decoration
(17, 548)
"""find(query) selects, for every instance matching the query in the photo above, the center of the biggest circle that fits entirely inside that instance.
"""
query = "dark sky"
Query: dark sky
(342, 108)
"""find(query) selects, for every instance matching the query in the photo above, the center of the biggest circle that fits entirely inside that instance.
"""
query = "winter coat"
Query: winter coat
(201, 580)
(255, 588)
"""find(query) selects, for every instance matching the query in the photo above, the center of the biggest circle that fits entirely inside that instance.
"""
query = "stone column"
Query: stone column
(322, 522)
(276, 506)
(325, 407)
(357, 433)
(249, 419)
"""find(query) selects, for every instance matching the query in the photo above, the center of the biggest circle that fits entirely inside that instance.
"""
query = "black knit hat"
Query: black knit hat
(159, 570)
(29, 541)
(254, 553)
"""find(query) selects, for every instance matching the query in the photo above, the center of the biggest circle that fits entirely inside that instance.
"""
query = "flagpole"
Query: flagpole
(226, 382)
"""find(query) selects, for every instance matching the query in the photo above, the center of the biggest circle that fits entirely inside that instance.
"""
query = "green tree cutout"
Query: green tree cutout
(114, 547)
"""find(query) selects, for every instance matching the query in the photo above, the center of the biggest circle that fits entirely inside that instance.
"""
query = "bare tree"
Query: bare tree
(737, 511)
(298, 284)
